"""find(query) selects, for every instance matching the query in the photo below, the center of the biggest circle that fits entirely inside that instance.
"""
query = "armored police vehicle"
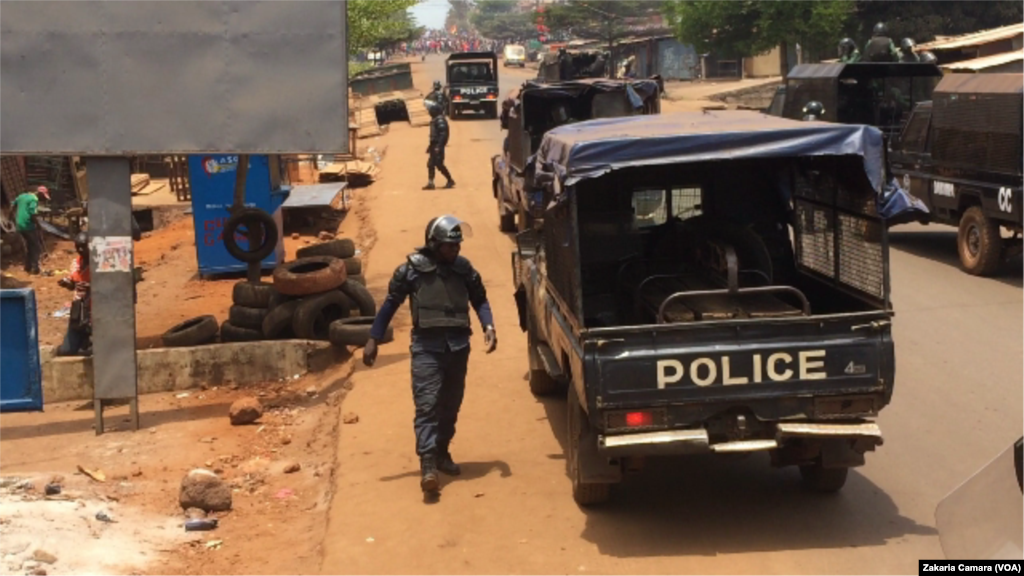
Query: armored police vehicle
(879, 94)
(710, 282)
(472, 79)
(961, 155)
(539, 107)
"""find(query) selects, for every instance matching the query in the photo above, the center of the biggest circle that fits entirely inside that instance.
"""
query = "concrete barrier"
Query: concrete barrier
(169, 369)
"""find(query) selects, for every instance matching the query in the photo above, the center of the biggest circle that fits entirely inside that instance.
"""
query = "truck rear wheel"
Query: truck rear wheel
(979, 243)
(584, 493)
(824, 480)
(541, 383)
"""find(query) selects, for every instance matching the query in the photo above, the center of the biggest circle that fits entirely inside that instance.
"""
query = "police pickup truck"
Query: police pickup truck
(710, 282)
(472, 83)
(960, 153)
(540, 106)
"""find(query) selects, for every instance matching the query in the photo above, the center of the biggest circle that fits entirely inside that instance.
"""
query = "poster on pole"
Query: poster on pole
(111, 253)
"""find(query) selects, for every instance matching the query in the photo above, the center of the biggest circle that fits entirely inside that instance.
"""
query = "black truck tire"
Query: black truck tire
(541, 383)
(277, 299)
(979, 243)
(245, 317)
(250, 217)
(356, 332)
(231, 333)
(817, 478)
(314, 315)
(357, 278)
(340, 248)
(353, 266)
(360, 297)
(278, 323)
(252, 294)
(312, 275)
(584, 493)
(192, 332)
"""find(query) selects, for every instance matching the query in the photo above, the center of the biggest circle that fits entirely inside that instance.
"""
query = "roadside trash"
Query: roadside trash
(370, 539)
(478, 495)
(214, 544)
(284, 493)
(102, 516)
(201, 524)
(62, 313)
(96, 475)
(182, 395)
(52, 489)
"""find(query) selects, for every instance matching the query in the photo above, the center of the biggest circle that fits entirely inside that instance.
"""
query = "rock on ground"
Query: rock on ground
(204, 490)
(245, 411)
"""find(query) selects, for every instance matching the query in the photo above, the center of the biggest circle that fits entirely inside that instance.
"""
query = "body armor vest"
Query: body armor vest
(440, 298)
(879, 50)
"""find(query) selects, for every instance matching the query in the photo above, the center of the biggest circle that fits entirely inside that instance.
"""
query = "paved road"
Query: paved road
(957, 404)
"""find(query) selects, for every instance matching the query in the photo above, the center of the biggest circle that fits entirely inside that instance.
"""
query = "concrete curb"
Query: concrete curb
(169, 369)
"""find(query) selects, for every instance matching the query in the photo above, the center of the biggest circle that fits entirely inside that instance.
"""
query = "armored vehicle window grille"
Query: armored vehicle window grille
(985, 150)
(815, 246)
(916, 133)
(978, 113)
(686, 202)
(860, 254)
(649, 208)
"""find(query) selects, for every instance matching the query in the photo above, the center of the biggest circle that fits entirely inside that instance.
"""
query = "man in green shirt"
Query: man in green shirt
(25, 210)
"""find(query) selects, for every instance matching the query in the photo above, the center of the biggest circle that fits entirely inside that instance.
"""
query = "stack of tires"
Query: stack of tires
(251, 303)
(322, 296)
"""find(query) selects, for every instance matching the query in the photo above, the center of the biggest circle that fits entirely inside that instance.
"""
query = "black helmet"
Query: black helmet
(846, 46)
(446, 229)
(82, 242)
(907, 45)
(814, 108)
(879, 30)
(437, 84)
(433, 107)
(928, 57)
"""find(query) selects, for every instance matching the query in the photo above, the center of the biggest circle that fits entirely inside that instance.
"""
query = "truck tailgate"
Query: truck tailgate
(683, 363)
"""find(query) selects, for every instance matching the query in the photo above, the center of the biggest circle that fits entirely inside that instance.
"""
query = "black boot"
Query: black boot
(447, 465)
(428, 467)
(450, 184)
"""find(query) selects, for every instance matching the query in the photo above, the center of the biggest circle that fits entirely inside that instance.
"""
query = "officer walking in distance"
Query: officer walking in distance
(441, 286)
(435, 149)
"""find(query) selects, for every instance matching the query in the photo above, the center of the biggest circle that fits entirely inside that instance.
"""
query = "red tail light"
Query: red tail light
(492, 97)
(457, 97)
(639, 419)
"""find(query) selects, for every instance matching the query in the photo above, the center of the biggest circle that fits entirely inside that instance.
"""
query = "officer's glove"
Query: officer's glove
(370, 352)
(490, 339)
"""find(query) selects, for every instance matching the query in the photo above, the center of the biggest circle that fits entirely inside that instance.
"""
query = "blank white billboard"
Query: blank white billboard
(137, 77)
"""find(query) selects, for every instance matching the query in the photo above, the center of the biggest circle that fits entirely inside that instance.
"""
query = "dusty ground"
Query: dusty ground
(273, 512)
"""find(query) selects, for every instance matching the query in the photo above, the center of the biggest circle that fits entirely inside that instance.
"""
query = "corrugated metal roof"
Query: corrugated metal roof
(313, 195)
(986, 61)
(816, 70)
(975, 38)
(981, 84)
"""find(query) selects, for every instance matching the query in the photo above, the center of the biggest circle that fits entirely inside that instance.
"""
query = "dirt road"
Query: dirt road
(957, 404)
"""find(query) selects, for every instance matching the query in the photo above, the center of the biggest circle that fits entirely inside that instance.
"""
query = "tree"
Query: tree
(458, 15)
(748, 28)
(607, 20)
(923, 20)
(500, 20)
(373, 22)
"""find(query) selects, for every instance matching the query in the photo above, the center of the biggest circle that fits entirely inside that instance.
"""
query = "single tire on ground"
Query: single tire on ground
(360, 297)
(979, 243)
(825, 480)
(340, 248)
(231, 333)
(356, 332)
(249, 218)
(253, 295)
(353, 266)
(314, 315)
(245, 317)
(584, 493)
(278, 323)
(192, 332)
(306, 276)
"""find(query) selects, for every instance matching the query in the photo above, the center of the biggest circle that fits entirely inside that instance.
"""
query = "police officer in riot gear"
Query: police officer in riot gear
(441, 286)
(848, 52)
(907, 51)
(928, 57)
(435, 149)
(813, 110)
(880, 47)
(438, 97)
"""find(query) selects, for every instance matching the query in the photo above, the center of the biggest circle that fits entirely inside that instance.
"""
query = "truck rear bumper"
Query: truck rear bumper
(697, 441)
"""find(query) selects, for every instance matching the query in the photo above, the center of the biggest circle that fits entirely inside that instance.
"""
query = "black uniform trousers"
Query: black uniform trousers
(438, 385)
(436, 160)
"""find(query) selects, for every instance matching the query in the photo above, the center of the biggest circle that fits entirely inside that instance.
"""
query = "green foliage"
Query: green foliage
(606, 20)
(374, 23)
(923, 20)
(746, 28)
(500, 20)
